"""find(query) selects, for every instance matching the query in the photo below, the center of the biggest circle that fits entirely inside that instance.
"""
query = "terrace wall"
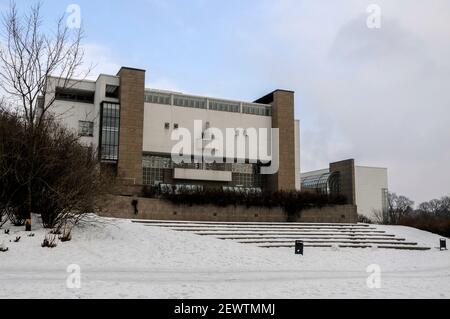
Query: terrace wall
(149, 208)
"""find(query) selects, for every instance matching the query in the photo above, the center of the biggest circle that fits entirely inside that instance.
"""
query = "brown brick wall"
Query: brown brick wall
(120, 207)
(283, 119)
(132, 85)
(346, 171)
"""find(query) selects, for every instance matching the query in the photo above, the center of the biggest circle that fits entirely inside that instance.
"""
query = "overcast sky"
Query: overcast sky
(381, 96)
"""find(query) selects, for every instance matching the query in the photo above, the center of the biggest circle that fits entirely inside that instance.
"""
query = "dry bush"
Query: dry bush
(49, 241)
(60, 182)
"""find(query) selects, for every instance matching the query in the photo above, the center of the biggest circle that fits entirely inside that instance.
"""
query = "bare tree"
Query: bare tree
(29, 59)
(436, 207)
(399, 207)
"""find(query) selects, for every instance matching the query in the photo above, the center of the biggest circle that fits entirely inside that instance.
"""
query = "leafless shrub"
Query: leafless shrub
(66, 175)
(3, 217)
(49, 241)
(364, 219)
(66, 234)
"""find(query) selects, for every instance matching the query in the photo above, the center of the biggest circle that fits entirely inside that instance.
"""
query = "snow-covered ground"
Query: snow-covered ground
(119, 259)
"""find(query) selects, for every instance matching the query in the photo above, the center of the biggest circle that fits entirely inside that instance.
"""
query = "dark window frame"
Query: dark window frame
(74, 95)
(112, 94)
(91, 129)
(109, 135)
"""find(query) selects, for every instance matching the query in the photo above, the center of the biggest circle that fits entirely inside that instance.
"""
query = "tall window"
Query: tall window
(85, 128)
(385, 201)
(110, 119)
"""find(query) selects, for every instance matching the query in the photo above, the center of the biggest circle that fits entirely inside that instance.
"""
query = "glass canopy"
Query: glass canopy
(327, 183)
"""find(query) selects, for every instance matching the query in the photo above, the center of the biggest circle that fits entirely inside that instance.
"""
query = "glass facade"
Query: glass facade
(217, 105)
(159, 169)
(153, 168)
(157, 98)
(186, 101)
(182, 100)
(327, 183)
(109, 133)
(256, 109)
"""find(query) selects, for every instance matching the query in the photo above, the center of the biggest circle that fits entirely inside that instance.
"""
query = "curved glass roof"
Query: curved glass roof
(327, 183)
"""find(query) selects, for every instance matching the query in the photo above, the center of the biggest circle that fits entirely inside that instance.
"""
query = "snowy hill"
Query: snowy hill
(121, 259)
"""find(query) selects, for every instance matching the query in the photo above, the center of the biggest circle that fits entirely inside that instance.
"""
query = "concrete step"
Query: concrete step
(337, 241)
(176, 222)
(240, 227)
(349, 246)
(224, 233)
(283, 235)
(377, 237)
(275, 230)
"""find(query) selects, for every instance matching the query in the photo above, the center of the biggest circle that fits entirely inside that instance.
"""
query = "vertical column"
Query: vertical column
(132, 86)
(346, 171)
(283, 119)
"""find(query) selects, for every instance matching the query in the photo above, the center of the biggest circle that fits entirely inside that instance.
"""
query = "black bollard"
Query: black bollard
(299, 247)
(443, 244)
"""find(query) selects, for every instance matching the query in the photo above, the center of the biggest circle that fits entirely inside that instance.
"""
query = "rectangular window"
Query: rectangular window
(157, 98)
(74, 95)
(257, 109)
(110, 123)
(153, 168)
(112, 91)
(224, 106)
(85, 128)
(188, 101)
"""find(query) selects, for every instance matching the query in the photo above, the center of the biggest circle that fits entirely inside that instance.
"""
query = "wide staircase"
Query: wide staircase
(277, 235)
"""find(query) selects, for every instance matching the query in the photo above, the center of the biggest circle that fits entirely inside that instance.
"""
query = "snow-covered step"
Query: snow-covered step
(273, 235)
(337, 241)
(222, 233)
(272, 232)
(378, 237)
(276, 230)
(237, 227)
(284, 231)
(405, 247)
(175, 222)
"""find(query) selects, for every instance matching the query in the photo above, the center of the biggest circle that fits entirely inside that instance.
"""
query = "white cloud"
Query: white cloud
(101, 59)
